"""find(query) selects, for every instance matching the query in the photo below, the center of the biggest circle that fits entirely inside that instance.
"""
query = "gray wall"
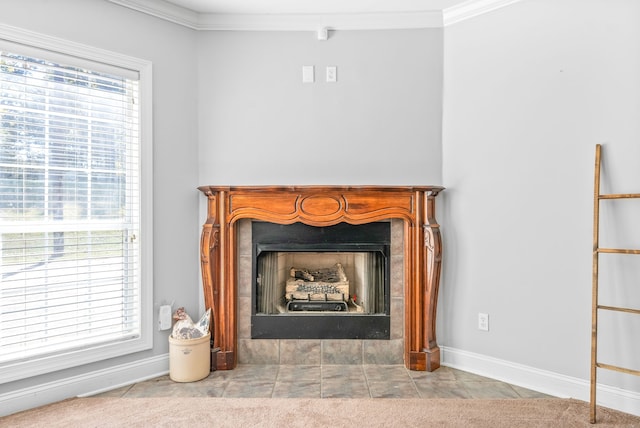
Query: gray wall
(380, 123)
(529, 91)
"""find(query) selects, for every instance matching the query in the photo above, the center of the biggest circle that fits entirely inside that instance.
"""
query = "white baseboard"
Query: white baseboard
(84, 385)
(540, 380)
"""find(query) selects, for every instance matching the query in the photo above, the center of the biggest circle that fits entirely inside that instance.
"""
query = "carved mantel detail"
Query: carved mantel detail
(325, 206)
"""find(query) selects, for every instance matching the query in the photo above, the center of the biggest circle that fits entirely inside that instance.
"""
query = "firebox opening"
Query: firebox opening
(321, 282)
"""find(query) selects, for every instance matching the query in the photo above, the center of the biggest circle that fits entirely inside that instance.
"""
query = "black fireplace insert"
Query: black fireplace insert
(330, 282)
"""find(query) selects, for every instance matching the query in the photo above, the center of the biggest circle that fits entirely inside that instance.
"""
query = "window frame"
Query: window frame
(16, 370)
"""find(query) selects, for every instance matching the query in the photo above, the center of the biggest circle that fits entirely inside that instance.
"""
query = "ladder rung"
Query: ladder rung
(617, 251)
(620, 196)
(619, 309)
(618, 369)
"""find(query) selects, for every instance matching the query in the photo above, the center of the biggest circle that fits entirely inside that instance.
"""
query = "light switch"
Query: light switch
(332, 74)
(307, 74)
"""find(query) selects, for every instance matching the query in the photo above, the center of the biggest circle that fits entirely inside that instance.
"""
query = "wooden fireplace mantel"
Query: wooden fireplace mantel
(325, 206)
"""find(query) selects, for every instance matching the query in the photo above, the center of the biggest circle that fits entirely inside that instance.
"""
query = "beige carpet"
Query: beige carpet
(288, 412)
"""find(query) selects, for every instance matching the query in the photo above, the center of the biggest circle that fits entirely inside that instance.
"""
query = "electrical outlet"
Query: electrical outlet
(483, 322)
(164, 317)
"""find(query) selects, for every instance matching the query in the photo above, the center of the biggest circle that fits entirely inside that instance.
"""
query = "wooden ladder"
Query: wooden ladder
(595, 307)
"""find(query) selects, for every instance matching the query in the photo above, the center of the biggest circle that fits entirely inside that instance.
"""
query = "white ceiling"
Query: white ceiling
(316, 6)
(302, 15)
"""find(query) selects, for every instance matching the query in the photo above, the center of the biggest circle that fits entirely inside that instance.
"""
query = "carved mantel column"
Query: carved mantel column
(325, 206)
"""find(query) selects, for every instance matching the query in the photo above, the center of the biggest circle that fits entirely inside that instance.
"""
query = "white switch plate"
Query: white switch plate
(332, 74)
(483, 322)
(307, 74)
(164, 317)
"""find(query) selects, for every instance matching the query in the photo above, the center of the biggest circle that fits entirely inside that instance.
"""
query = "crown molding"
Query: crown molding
(471, 9)
(312, 22)
(163, 10)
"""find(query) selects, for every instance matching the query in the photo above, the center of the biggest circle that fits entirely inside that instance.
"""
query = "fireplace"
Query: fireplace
(231, 212)
(328, 282)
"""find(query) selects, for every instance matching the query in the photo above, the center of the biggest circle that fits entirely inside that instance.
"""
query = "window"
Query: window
(73, 286)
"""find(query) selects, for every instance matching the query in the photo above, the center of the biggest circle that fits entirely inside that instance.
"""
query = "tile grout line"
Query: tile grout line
(275, 379)
(321, 373)
(413, 382)
(366, 379)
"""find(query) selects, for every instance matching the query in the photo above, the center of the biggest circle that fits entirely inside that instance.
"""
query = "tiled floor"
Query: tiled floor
(330, 381)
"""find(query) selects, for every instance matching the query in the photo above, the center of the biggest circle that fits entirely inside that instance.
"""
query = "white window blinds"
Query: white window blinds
(69, 206)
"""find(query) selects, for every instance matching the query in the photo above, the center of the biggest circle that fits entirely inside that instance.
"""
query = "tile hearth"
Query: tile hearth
(329, 381)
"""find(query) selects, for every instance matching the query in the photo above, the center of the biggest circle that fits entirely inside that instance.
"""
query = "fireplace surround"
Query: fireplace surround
(322, 206)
